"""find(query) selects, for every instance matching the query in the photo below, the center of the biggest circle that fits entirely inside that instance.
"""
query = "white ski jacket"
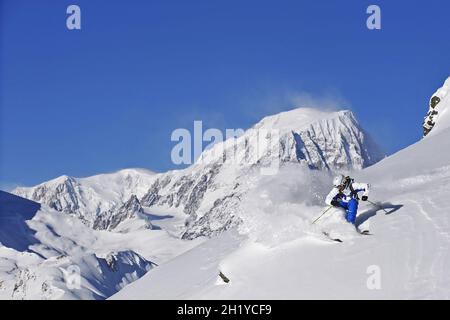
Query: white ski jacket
(346, 195)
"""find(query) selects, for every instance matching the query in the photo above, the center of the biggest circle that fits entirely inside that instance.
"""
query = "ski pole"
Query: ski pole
(329, 207)
(378, 206)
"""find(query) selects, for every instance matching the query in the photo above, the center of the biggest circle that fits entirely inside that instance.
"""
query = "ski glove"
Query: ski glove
(364, 198)
(334, 203)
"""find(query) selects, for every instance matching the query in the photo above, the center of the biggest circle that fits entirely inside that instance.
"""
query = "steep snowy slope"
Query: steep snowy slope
(279, 254)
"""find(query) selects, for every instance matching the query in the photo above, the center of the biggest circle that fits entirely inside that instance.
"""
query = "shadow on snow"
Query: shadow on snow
(366, 215)
(14, 212)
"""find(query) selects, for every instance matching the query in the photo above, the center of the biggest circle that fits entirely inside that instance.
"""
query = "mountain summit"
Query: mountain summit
(323, 140)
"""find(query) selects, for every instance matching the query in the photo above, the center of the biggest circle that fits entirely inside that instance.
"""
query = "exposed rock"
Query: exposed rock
(222, 216)
(435, 108)
(110, 219)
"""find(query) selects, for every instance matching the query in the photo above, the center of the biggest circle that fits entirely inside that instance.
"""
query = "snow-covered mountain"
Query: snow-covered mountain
(209, 191)
(88, 198)
(48, 255)
(39, 246)
(277, 253)
(322, 140)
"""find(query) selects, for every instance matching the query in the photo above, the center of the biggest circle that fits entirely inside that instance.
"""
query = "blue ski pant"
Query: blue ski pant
(351, 208)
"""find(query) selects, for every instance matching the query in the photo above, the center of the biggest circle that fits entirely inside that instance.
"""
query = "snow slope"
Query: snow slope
(277, 254)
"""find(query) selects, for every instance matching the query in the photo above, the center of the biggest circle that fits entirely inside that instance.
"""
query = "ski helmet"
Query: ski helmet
(338, 180)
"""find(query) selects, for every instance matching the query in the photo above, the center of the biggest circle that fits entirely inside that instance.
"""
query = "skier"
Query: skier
(345, 195)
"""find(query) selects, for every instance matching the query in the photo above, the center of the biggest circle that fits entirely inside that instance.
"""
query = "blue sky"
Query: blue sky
(108, 96)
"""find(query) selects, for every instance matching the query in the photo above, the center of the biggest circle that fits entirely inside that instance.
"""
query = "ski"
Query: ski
(365, 233)
(329, 237)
